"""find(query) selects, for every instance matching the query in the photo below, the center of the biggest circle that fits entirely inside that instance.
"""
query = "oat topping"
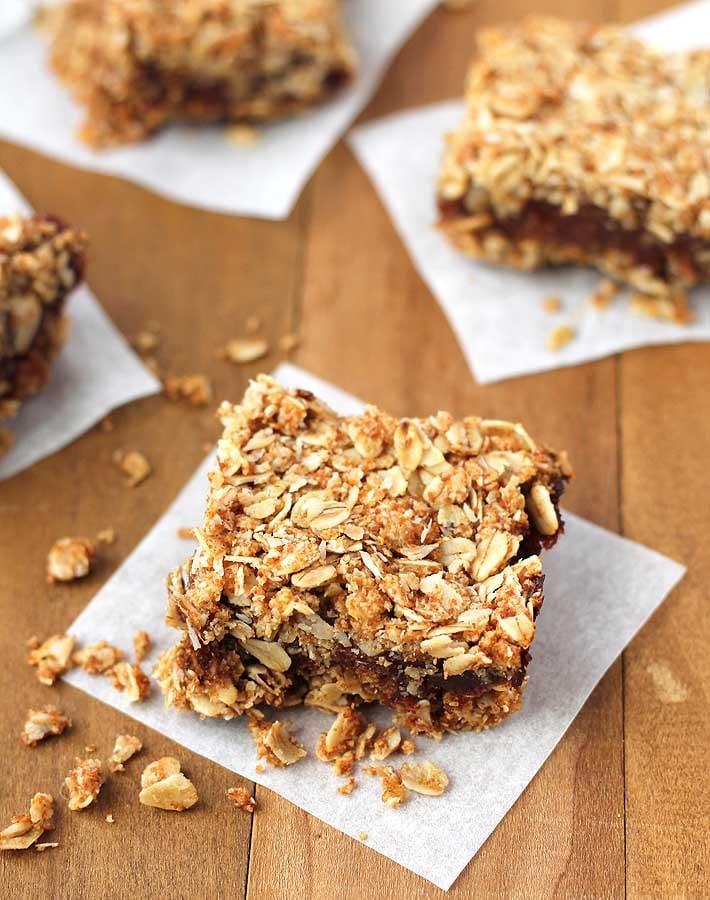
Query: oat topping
(134, 465)
(424, 778)
(164, 786)
(142, 645)
(196, 390)
(70, 558)
(53, 657)
(350, 560)
(132, 679)
(394, 793)
(386, 743)
(560, 336)
(83, 783)
(98, 658)
(583, 145)
(274, 742)
(125, 746)
(24, 830)
(138, 65)
(241, 797)
(245, 350)
(41, 723)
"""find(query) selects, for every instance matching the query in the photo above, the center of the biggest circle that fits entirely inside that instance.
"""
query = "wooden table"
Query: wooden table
(620, 808)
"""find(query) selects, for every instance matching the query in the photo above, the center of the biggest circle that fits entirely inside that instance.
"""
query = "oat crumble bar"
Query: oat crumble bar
(363, 559)
(41, 261)
(137, 65)
(582, 145)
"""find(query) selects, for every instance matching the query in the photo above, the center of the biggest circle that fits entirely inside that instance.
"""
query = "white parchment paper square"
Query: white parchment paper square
(600, 589)
(497, 313)
(95, 372)
(198, 165)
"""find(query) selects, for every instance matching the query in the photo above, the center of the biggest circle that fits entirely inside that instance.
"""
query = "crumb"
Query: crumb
(552, 304)
(671, 307)
(142, 645)
(341, 736)
(252, 324)
(408, 747)
(394, 793)
(364, 741)
(110, 819)
(603, 294)
(134, 465)
(130, 678)
(289, 342)
(106, 425)
(106, 536)
(145, 341)
(186, 533)
(125, 746)
(242, 135)
(259, 769)
(83, 783)
(348, 787)
(95, 659)
(241, 798)
(363, 835)
(53, 657)
(164, 786)
(70, 558)
(41, 723)
(559, 337)
(89, 749)
(48, 845)
(245, 350)
(24, 830)
(274, 743)
(344, 764)
(32, 642)
(196, 390)
(424, 778)
(7, 439)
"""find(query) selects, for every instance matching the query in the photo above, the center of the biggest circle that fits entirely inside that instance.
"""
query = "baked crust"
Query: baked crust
(363, 559)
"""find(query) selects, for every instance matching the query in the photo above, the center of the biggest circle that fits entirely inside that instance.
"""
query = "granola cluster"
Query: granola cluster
(349, 560)
(139, 64)
(26, 829)
(41, 261)
(581, 144)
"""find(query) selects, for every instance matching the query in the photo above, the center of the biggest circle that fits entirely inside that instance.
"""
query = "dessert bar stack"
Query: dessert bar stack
(138, 64)
(351, 560)
(41, 261)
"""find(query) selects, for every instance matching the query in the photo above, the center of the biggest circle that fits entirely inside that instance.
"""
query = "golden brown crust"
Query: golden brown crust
(362, 558)
(138, 64)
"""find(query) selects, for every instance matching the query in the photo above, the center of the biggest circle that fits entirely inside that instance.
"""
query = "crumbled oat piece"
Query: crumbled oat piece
(41, 723)
(408, 747)
(70, 558)
(47, 845)
(364, 741)
(24, 830)
(604, 293)
(53, 657)
(393, 791)
(145, 341)
(7, 440)
(196, 390)
(386, 743)
(259, 769)
(125, 746)
(130, 678)
(106, 536)
(363, 835)
(164, 786)
(83, 783)
(341, 736)
(344, 765)
(241, 797)
(142, 645)
(242, 135)
(560, 336)
(95, 659)
(552, 304)
(288, 342)
(186, 533)
(89, 749)
(424, 778)
(134, 465)
(245, 350)
(671, 306)
(110, 819)
(348, 787)
(274, 743)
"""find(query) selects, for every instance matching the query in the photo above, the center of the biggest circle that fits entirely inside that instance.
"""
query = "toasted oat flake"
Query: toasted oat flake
(246, 350)
(242, 135)
(394, 792)
(53, 657)
(46, 845)
(604, 294)
(95, 659)
(106, 536)
(196, 390)
(274, 743)
(186, 534)
(125, 746)
(348, 787)
(24, 830)
(41, 723)
(70, 558)
(242, 798)
(552, 304)
(362, 835)
(669, 307)
(134, 465)
(83, 783)
(142, 645)
(110, 819)
(145, 341)
(386, 743)
(164, 786)
(424, 778)
(560, 336)
(130, 678)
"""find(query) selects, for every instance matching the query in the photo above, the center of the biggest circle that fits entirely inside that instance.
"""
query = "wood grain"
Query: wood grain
(620, 807)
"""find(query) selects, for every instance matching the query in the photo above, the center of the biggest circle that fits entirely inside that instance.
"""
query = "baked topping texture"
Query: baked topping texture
(41, 261)
(361, 559)
(582, 145)
(139, 64)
